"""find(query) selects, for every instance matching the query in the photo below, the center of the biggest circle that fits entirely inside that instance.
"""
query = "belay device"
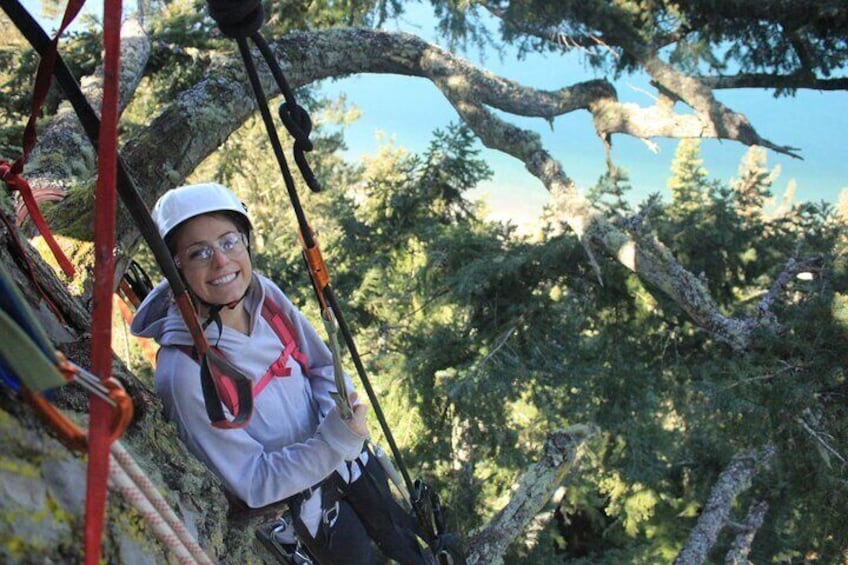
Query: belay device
(241, 20)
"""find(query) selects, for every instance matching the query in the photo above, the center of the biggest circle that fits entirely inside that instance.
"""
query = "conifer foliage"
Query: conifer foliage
(720, 397)
(482, 340)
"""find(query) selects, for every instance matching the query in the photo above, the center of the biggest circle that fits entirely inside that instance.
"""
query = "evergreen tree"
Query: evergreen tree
(688, 183)
(753, 187)
(701, 225)
(610, 193)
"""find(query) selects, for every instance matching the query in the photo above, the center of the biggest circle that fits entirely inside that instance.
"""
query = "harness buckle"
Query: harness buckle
(279, 537)
(331, 515)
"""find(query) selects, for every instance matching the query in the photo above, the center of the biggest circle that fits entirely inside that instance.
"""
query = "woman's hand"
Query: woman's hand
(358, 424)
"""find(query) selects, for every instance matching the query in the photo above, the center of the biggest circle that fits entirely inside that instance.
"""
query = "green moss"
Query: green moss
(131, 523)
(73, 218)
(23, 468)
(58, 512)
(13, 547)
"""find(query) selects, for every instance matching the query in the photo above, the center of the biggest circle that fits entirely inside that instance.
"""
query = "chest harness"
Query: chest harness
(284, 329)
(331, 486)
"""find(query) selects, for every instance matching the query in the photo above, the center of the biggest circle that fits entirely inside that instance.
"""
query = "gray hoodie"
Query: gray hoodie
(295, 437)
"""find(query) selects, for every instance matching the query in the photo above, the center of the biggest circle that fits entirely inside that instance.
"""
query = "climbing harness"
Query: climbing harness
(283, 328)
(214, 369)
(279, 538)
(242, 21)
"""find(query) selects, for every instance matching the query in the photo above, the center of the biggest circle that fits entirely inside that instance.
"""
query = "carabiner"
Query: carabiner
(70, 433)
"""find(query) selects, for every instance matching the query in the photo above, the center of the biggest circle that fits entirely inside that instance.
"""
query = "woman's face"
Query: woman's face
(212, 255)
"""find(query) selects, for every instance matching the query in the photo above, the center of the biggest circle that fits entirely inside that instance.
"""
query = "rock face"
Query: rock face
(42, 494)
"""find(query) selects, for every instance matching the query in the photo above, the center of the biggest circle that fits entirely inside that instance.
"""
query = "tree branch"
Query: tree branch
(712, 119)
(65, 136)
(733, 481)
(201, 118)
(535, 488)
(741, 547)
(766, 80)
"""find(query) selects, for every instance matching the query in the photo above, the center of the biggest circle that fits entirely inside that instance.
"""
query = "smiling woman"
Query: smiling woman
(213, 259)
(297, 447)
(208, 232)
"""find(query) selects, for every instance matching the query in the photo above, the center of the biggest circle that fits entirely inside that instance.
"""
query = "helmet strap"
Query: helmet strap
(214, 310)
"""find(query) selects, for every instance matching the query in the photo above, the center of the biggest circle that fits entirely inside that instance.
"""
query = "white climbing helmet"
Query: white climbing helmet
(183, 203)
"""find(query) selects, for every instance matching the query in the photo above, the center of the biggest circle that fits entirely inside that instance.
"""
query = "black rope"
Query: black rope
(294, 117)
(298, 118)
(138, 281)
(237, 18)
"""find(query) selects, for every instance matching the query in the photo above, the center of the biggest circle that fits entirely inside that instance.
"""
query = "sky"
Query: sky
(407, 110)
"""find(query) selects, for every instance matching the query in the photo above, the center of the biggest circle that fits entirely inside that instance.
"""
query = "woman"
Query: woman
(296, 446)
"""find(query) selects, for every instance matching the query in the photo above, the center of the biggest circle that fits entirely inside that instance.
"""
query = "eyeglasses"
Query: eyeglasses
(200, 255)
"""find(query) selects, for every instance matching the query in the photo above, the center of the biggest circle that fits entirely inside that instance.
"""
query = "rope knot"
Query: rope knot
(298, 123)
(237, 18)
(10, 173)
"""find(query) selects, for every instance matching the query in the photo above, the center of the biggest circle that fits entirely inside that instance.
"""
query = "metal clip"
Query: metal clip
(331, 515)
(110, 391)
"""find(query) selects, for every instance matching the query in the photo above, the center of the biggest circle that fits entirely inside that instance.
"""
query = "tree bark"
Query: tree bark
(63, 157)
(732, 482)
(535, 488)
(738, 554)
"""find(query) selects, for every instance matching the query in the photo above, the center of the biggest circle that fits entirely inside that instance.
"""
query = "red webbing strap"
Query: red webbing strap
(15, 182)
(215, 371)
(43, 77)
(284, 329)
(282, 326)
(104, 277)
(11, 174)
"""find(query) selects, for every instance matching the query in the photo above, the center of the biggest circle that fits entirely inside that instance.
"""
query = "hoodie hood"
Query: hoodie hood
(158, 316)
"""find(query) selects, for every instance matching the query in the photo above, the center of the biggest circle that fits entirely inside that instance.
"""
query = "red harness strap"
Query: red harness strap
(282, 326)
(11, 173)
(15, 182)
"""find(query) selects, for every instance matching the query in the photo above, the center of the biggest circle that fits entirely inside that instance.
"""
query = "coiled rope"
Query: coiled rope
(128, 479)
